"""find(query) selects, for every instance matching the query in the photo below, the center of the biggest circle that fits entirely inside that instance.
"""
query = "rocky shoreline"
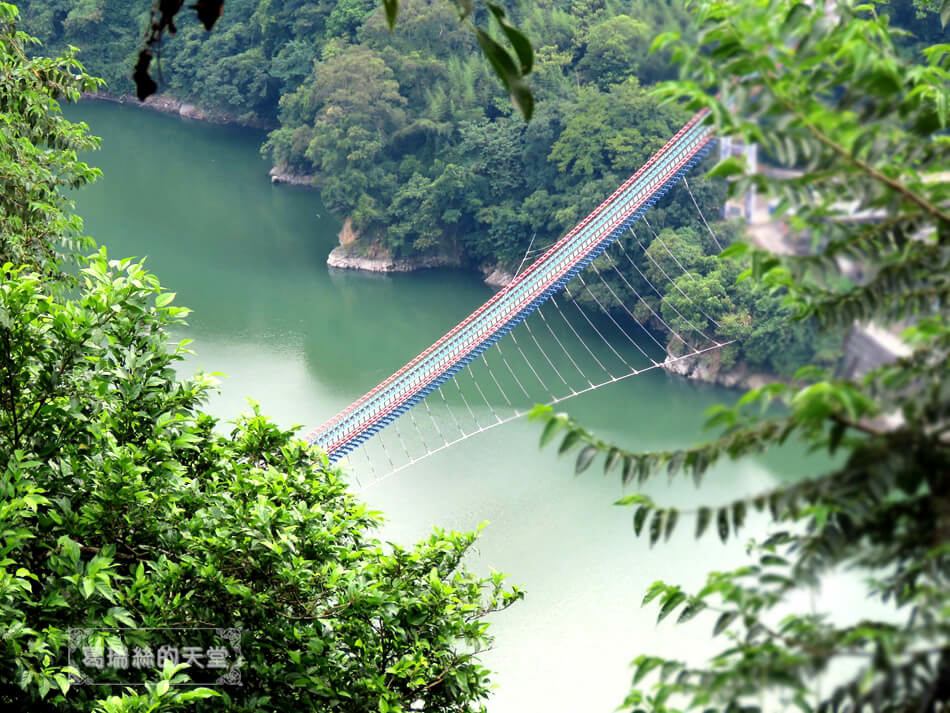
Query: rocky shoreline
(346, 257)
(705, 368)
(370, 256)
(168, 104)
(350, 255)
(497, 276)
(278, 176)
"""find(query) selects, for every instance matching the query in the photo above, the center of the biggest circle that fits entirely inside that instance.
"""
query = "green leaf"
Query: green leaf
(775, 504)
(542, 412)
(738, 516)
(550, 428)
(730, 166)
(518, 41)
(794, 18)
(507, 71)
(644, 666)
(671, 517)
(499, 59)
(523, 99)
(702, 521)
(71, 548)
(691, 610)
(722, 524)
(62, 682)
(639, 517)
(584, 459)
(670, 603)
(392, 9)
(656, 526)
(195, 694)
(571, 439)
(663, 40)
(164, 298)
(724, 621)
(643, 469)
(635, 499)
(613, 455)
(655, 590)
(626, 473)
(34, 500)
(669, 668)
(778, 538)
(675, 462)
(776, 579)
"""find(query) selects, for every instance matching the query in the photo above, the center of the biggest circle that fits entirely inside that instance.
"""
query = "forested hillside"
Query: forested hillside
(409, 136)
(408, 133)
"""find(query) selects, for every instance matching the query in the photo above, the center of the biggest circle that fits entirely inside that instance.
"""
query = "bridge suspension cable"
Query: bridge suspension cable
(516, 387)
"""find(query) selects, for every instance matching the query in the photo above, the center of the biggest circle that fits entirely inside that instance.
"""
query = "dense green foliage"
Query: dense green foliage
(39, 150)
(408, 133)
(868, 123)
(424, 154)
(689, 299)
(122, 504)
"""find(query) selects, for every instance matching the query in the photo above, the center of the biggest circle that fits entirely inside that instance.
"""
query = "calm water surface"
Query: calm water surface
(304, 341)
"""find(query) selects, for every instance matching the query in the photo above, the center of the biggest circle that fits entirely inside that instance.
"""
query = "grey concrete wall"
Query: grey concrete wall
(867, 347)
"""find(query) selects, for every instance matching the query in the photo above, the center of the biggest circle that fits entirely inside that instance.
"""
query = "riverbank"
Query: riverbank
(165, 103)
(278, 176)
(349, 255)
(865, 347)
(347, 258)
(355, 252)
(706, 368)
(374, 259)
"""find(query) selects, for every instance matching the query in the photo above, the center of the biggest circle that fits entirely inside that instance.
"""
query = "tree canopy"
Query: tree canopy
(126, 508)
(425, 116)
(40, 150)
(827, 90)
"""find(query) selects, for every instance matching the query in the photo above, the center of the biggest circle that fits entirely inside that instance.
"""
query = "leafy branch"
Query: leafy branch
(823, 91)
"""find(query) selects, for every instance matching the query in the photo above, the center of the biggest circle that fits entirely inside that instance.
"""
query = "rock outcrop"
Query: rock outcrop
(497, 276)
(278, 175)
(348, 258)
(706, 367)
(167, 104)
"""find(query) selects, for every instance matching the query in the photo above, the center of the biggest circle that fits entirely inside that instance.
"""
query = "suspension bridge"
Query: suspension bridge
(536, 286)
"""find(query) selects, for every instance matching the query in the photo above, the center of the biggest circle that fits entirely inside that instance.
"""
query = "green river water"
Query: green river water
(303, 341)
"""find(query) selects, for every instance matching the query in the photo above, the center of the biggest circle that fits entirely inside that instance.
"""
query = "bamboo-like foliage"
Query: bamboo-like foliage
(821, 89)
